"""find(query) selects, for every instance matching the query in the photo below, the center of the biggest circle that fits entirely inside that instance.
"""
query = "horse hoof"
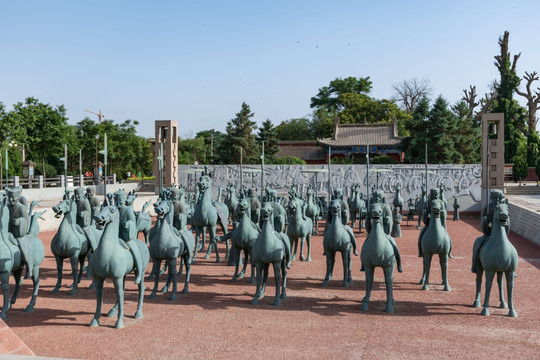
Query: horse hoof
(277, 302)
(91, 287)
(512, 313)
(94, 323)
(111, 313)
(283, 296)
(503, 305)
(172, 297)
(164, 289)
(29, 308)
(218, 260)
(240, 276)
(421, 282)
(138, 314)
(255, 301)
(73, 292)
(309, 259)
(252, 280)
(207, 256)
(55, 291)
(349, 279)
(119, 324)
(476, 304)
(389, 309)
(185, 291)
(324, 283)
(425, 287)
(345, 284)
(447, 288)
(364, 307)
(485, 312)
(227, 254)
(302, 258)
(152, 295)
(293, 258)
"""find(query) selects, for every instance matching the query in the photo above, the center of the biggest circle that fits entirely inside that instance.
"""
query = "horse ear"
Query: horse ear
(506, 201)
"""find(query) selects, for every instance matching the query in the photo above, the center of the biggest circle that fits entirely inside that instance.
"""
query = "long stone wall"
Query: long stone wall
(461, 181)
(524, 222)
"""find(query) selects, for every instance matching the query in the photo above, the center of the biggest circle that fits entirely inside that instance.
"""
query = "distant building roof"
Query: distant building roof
(308, 150)
(377, 134)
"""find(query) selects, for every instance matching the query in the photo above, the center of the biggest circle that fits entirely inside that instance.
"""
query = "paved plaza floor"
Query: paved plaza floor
(215, 320)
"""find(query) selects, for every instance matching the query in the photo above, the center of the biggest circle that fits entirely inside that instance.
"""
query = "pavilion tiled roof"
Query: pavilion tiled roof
(362, 134)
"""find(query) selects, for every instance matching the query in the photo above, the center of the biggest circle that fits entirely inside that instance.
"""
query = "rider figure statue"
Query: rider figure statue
(95, 205)
(128, 231)
(84, 216)
(18, 225)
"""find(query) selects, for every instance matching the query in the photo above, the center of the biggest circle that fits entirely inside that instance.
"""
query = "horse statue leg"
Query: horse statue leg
(119, 289)
(510, 275)
(427, 268)
(187, 264)
(330, 258)
(277, 277)
(255, 300)
(35, 281)
(345, 255)
(4, 278)
(369, 285)
(155, 271)
(443, 260)
(389, 280)
(99, 298)
(479, 274)
(489, 282)
(283, 279)
(172, 275)
(17, 275)
(264, 280)
(59, 269)
(503, 304)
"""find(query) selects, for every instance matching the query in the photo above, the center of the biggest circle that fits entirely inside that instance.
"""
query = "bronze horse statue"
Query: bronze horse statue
(11, 262)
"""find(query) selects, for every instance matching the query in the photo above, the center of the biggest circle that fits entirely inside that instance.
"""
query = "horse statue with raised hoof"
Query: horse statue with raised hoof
(312, 209)
(114, 261)
(498, 256)
(71, 242)
(242, 238)
(299, 227)
(12, 260)
(273, 248)
(168, 243)
(338, 237)
(208, 214)
(435, 240)
(379, 250)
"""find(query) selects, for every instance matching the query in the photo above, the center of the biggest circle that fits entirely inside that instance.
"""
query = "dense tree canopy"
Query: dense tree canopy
(239, 141)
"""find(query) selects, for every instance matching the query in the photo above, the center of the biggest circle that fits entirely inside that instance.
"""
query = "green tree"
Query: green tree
(321, 123)
(329, 97)
(521, 169)
(191, 151)
(46, 130)
(268, 133)
(467, 135)
(514, 114)
(294, 129)
(239, 139)
(289, 160)
(212, 140)
(414, 145)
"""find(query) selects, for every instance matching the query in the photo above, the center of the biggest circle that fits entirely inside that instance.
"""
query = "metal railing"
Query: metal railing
(39, 182)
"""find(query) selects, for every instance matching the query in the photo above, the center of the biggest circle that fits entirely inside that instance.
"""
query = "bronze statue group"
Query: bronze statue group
(266, 231)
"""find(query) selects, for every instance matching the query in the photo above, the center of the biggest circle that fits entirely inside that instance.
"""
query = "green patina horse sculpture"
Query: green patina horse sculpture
(497, 255)
(71, 243)
(435, 240)
(273, 248)
(243, 238)
(357, 207)
(11, 262)
(299, 227)
(114, 261)
(398, 200)
(312, 209)
(167, 243)
(208, 214)
(378, 251)
(338, 237)
(143, 220)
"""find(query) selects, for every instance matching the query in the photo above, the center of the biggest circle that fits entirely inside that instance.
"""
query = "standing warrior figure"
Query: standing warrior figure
(18, 225)
(95, 205)
(84, 216)
(456, 210)
(128, 231)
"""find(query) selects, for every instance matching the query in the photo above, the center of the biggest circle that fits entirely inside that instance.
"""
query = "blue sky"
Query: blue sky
(197, 61)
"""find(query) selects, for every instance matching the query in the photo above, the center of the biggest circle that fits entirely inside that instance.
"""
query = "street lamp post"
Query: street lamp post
(104, 152)
(96, 166)
(64, 159)
(10, 144)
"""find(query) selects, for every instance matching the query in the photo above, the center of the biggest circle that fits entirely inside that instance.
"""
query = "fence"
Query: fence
(39, 182)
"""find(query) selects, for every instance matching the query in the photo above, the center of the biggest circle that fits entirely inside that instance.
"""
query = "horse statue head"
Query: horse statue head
(437, 206)
(64, 207)
(205, 183)
(335, 209)
(108, 215)
(266, 211)
(376, 212)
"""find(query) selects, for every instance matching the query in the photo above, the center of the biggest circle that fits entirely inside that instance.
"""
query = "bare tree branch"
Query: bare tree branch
(533, 100)
(469, 97)
(409, 92)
